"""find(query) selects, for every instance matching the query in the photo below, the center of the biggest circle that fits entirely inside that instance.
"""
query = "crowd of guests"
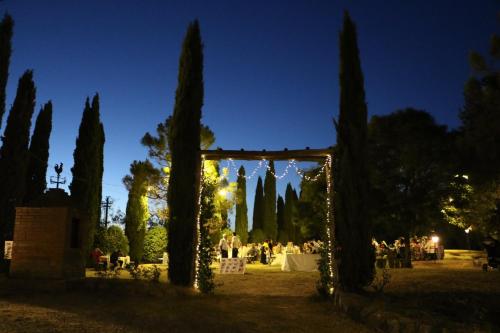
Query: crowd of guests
(263, 252)
(421, 248)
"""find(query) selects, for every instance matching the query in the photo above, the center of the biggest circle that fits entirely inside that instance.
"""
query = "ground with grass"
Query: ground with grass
(264, 300)
(453, 293)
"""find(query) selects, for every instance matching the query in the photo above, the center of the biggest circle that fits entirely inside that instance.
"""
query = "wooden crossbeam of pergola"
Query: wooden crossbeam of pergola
(276, 155)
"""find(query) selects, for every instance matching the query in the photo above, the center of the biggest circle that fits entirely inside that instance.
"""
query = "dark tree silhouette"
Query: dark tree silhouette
(353, 228)
(409, 158)
(36, 175)
(258, 206)
(270, 225)
(14, 156)
(288, 213)
(86, 183)
(241, 207)
(479, 135)
(280, 219)
(184, 143)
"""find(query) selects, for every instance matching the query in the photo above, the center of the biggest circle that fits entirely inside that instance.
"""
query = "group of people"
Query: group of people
(234, 245)
(421, 248)
(101, 261)
(263, 252)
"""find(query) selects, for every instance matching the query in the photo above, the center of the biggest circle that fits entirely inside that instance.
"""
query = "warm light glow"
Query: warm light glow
(468, 229)
(435, 239)
(222, 192)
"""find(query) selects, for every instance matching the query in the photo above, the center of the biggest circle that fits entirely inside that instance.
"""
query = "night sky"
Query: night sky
(271, 67)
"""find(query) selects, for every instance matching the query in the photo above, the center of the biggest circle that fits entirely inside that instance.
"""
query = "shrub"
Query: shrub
(148, 273)
(155, 243)
(112, 239)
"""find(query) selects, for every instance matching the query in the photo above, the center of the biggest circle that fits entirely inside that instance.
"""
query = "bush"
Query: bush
(148, 273)
(155, 243)
(112, 239)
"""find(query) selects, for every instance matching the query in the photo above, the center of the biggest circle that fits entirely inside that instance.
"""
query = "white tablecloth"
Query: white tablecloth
(300, 262)
(278, 259)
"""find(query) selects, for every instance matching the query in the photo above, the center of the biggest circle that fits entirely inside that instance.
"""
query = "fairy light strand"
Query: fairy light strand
(330, 220)
(291, 164)
(198, 226)
(231, 164)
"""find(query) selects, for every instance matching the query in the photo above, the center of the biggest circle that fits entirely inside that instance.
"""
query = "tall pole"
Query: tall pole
(106, 205)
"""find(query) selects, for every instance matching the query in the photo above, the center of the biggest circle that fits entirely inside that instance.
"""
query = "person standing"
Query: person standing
(223, 246)
(235, 245)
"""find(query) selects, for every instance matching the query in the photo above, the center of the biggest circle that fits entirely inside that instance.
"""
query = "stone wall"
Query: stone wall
(42, 248)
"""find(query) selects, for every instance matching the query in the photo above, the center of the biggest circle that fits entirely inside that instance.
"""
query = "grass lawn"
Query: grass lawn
(452, 292)
(264, 300)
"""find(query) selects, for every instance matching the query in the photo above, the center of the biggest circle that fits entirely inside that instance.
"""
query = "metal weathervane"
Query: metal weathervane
(58, 180)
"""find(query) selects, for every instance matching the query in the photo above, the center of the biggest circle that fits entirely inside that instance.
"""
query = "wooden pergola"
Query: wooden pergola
(303, 155)
(315, 155)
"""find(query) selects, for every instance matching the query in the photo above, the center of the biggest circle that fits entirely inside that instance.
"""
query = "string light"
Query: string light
(252, 174)
(198, 226)
(330, 224)
(291, 163)
(288, 166)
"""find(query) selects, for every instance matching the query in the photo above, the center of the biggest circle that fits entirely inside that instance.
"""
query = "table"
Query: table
(300, 262)
(125, 261)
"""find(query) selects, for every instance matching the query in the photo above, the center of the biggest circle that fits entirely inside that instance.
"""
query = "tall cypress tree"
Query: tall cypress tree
(258, 206)
(38, 157)
(241, 206)
(280, 218)
(270, 225)
(85, 185)
(100, 174)
(297, 235)
(137, 212)
(184, 143)
(353, 228)
(288, 213)
(6, 28)
(14, 156)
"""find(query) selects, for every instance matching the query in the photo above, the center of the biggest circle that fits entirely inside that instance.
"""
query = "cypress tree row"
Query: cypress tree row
(280, 218)
(258, 207)
(6, 28)
(270, 225)
(137, 213)
(241, 206)
(353, 228)
(38, 156)
(184, 143)
(288, 214)
(14, 156)
(86, 183)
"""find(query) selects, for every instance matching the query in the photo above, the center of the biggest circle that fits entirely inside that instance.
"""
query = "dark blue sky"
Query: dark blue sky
(271, 67)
